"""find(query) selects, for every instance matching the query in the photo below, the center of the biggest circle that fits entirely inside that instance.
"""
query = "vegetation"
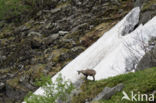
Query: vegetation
(60, 90)
(148, 4)
(14, 9)
(141, 81)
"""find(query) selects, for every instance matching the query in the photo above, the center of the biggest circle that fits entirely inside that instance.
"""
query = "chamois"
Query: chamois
(88, 72)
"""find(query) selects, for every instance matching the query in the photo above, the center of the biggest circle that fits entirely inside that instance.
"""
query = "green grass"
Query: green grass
(11, 8)
(141, 81)
(14, 10)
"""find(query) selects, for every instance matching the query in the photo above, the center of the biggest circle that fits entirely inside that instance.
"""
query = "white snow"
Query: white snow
(109, 55)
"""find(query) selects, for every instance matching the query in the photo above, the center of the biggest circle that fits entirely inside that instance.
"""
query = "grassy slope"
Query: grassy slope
(143, 81)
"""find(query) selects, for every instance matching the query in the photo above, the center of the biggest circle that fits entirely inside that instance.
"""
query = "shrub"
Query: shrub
(60, 90)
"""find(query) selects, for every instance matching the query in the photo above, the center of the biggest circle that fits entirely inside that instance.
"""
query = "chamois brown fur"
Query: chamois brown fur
(88, 72)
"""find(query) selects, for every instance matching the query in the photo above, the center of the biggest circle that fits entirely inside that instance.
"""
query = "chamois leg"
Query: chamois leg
(93, 78)
(86, 77)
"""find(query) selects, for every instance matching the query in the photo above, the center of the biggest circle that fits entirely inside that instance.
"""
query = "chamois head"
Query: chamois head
(79, 72)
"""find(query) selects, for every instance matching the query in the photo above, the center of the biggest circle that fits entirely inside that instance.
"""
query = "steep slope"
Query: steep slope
(47, 42)
(135, 82)
(55, 36)
(110, 58)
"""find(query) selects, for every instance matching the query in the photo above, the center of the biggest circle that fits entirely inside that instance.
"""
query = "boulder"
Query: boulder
(13, 93)
(33, 33)
(148, 60)
(107, 92)
(50, 39)
(148, 9)
(62, 33)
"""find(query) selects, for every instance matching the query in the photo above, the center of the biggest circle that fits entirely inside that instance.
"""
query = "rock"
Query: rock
(2, 85)
(49, 66)
(71, 54)
(3, 77)
(80, 27)
(50, 39)
(34, 34)
(2, 58)
(53, 11)
(10, 75)
(148, 60)
(154, 92)
(148, 9)
(22, 78)
(107, 93)
(14, 93)
(35, 44)
(77, 49)
(67, 43)
(62, 33)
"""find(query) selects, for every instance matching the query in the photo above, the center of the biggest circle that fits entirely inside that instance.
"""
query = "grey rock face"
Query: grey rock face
(107, 93)
(149, 59)
(148, 10)
(148, 14)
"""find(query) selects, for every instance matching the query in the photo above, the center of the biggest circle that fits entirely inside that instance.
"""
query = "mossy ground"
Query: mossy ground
(141, 81)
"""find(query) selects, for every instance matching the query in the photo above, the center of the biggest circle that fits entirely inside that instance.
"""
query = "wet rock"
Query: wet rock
(107, 93)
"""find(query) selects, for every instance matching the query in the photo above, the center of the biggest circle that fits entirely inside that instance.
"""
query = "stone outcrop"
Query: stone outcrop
(149, 59)
(107, 92)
